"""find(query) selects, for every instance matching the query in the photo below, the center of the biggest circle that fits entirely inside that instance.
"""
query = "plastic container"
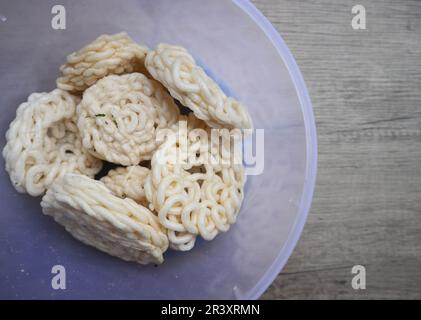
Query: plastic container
(241, 47)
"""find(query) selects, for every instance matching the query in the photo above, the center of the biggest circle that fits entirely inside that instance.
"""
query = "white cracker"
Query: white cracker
(119, 115)
(43, 143)
(193, 198)
(93, 215)
(108, 54)
(176, 69)
(128, 182)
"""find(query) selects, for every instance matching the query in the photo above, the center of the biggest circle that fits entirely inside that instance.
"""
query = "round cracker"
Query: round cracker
(93, 215)
(177, 70)
(128, 182)
(119, 115)
(43, 143)
(195, 186)
(108, 54)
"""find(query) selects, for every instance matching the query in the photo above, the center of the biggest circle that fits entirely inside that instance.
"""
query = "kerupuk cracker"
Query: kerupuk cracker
(196, 184)
(128, 182)
(119, 115)
(92, 214)
(43, 143)
(177, 70)
(108, 54)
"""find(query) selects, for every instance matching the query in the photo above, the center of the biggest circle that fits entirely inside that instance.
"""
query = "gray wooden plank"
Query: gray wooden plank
(366, 90)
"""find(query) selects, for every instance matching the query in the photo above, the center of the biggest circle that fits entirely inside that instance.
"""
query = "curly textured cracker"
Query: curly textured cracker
(119, 115)
(93, 215)
(128, 182)
(176, 69)
(195, 186)
(108, 54)
(43, 143)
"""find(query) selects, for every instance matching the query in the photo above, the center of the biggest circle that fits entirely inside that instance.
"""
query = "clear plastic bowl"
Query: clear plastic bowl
(241, 47)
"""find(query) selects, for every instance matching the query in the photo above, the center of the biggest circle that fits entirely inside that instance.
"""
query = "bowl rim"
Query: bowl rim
(311, 148)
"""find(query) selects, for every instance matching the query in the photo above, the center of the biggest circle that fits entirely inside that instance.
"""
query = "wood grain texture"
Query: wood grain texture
(366, 91)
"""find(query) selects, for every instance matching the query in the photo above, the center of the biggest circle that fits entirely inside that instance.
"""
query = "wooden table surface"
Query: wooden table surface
(365, 86)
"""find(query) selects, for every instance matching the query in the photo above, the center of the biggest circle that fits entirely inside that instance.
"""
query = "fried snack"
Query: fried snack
(43, 143)
(195, 185)
(128, 182)
(119, 115)
(176, 69)
(108, 54)
(93, 215)
(117, 101)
